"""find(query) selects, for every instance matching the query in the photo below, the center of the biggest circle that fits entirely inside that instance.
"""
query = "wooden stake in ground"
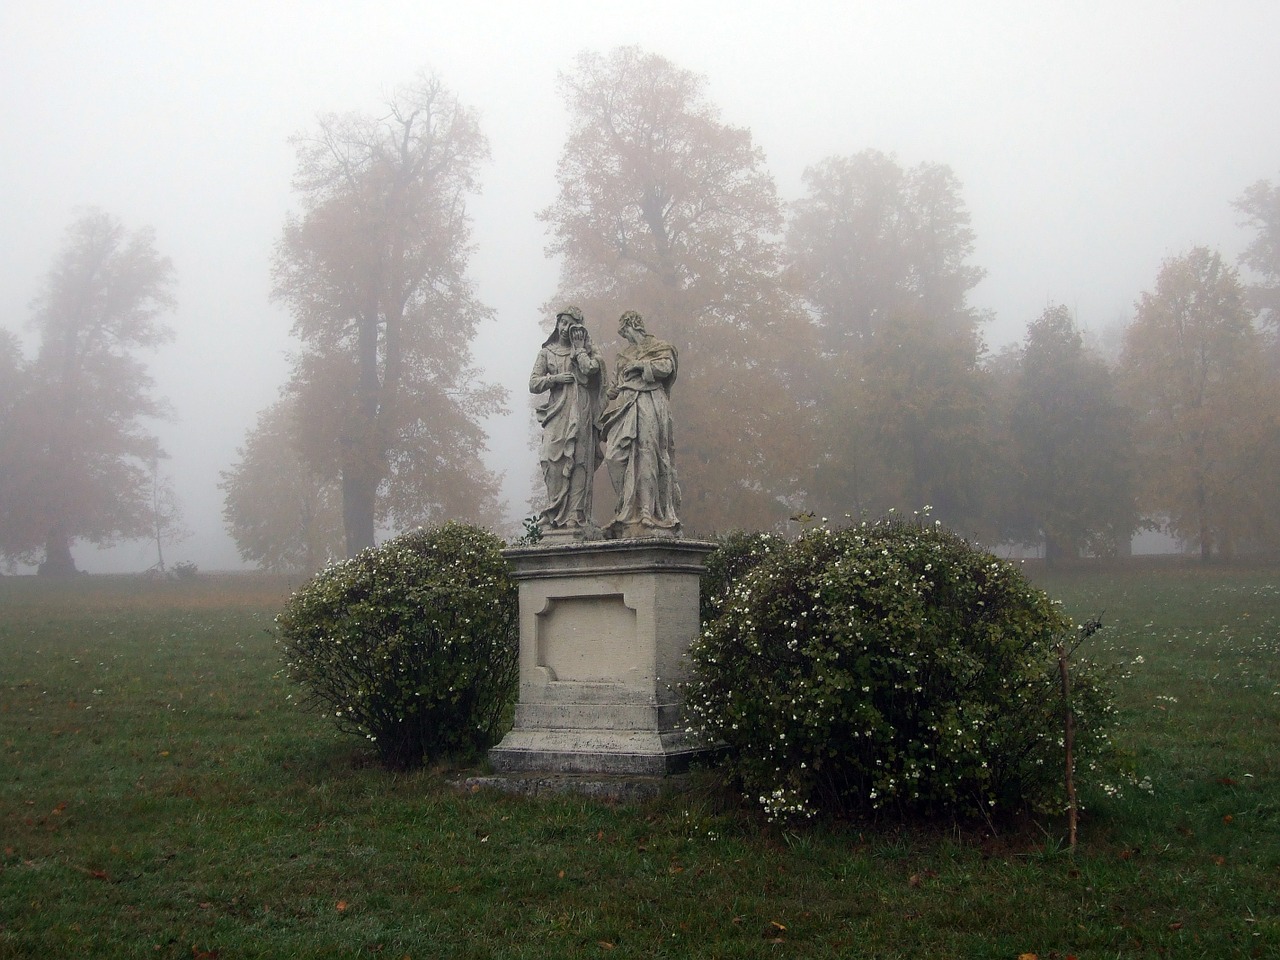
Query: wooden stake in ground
(1087, 630)
(1068, 740)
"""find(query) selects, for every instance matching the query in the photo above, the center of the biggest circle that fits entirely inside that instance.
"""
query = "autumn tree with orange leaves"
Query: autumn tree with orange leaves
(373, 270)
(665, 208)
(1195, 375)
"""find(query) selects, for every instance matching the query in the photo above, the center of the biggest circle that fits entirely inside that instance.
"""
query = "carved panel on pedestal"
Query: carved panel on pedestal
(587, 639)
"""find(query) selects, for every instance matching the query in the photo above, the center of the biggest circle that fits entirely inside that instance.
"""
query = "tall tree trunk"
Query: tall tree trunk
(1055, 550)
(360, 477)
(1206, 533)
(918, 473)
(1052, 552)
(359, 492)
(58, 561)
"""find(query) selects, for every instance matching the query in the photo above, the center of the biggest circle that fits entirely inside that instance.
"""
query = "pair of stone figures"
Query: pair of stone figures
(623, 420)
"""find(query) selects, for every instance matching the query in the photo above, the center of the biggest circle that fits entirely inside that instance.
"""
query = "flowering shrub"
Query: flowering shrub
(890, 665)
(412, 645)
(735, 554)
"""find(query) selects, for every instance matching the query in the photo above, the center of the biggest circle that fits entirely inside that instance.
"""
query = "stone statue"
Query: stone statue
(639, 447)
(570, 372)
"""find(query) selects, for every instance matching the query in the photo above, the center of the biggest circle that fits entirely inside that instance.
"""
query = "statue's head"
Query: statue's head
(631, 320)
(570, 316)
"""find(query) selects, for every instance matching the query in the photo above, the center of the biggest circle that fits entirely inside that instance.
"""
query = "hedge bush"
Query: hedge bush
(890, 665)
(735, 554)
(412, 645)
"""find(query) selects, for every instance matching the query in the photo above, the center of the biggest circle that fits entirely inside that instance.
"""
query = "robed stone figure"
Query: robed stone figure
(569, 371)
(639, 449)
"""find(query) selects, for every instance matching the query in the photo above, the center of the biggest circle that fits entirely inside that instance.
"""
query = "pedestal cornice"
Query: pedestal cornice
(593, 558)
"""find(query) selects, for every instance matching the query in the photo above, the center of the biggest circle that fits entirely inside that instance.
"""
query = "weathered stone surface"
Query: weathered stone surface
(604, 627)
(639, 444)
(622, 789)
(568, 374)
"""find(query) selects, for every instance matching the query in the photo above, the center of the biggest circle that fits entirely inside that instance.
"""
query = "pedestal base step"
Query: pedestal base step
(618, 789)
(614, 752)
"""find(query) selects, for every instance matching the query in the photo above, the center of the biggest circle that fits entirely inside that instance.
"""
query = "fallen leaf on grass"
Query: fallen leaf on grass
(1028, 956)
(1228, 818)
(341, 906)
(605, 944)
(1176, 926)
(773, 932)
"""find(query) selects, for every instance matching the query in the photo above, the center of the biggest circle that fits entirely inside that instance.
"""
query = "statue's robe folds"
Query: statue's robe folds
(570, 452)
(639, 446)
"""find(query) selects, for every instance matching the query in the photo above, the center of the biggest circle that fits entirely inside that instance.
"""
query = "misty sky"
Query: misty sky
(1093, 140)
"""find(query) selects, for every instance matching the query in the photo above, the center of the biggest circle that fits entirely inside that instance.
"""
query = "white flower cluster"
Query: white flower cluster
(783, 804)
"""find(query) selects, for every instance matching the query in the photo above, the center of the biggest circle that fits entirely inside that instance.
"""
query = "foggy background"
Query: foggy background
(1093, 140)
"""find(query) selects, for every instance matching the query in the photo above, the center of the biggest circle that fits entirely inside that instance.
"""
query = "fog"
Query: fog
(1093, 141)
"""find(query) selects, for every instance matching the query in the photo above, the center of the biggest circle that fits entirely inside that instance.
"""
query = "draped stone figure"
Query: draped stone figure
(639, 446)
(569, 370)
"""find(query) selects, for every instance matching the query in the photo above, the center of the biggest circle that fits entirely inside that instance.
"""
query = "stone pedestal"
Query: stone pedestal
(604, 627)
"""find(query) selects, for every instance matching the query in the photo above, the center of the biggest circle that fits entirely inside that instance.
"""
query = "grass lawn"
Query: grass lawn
(160, 796)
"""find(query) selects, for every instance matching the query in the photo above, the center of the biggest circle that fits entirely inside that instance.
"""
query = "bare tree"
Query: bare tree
(165, 515)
